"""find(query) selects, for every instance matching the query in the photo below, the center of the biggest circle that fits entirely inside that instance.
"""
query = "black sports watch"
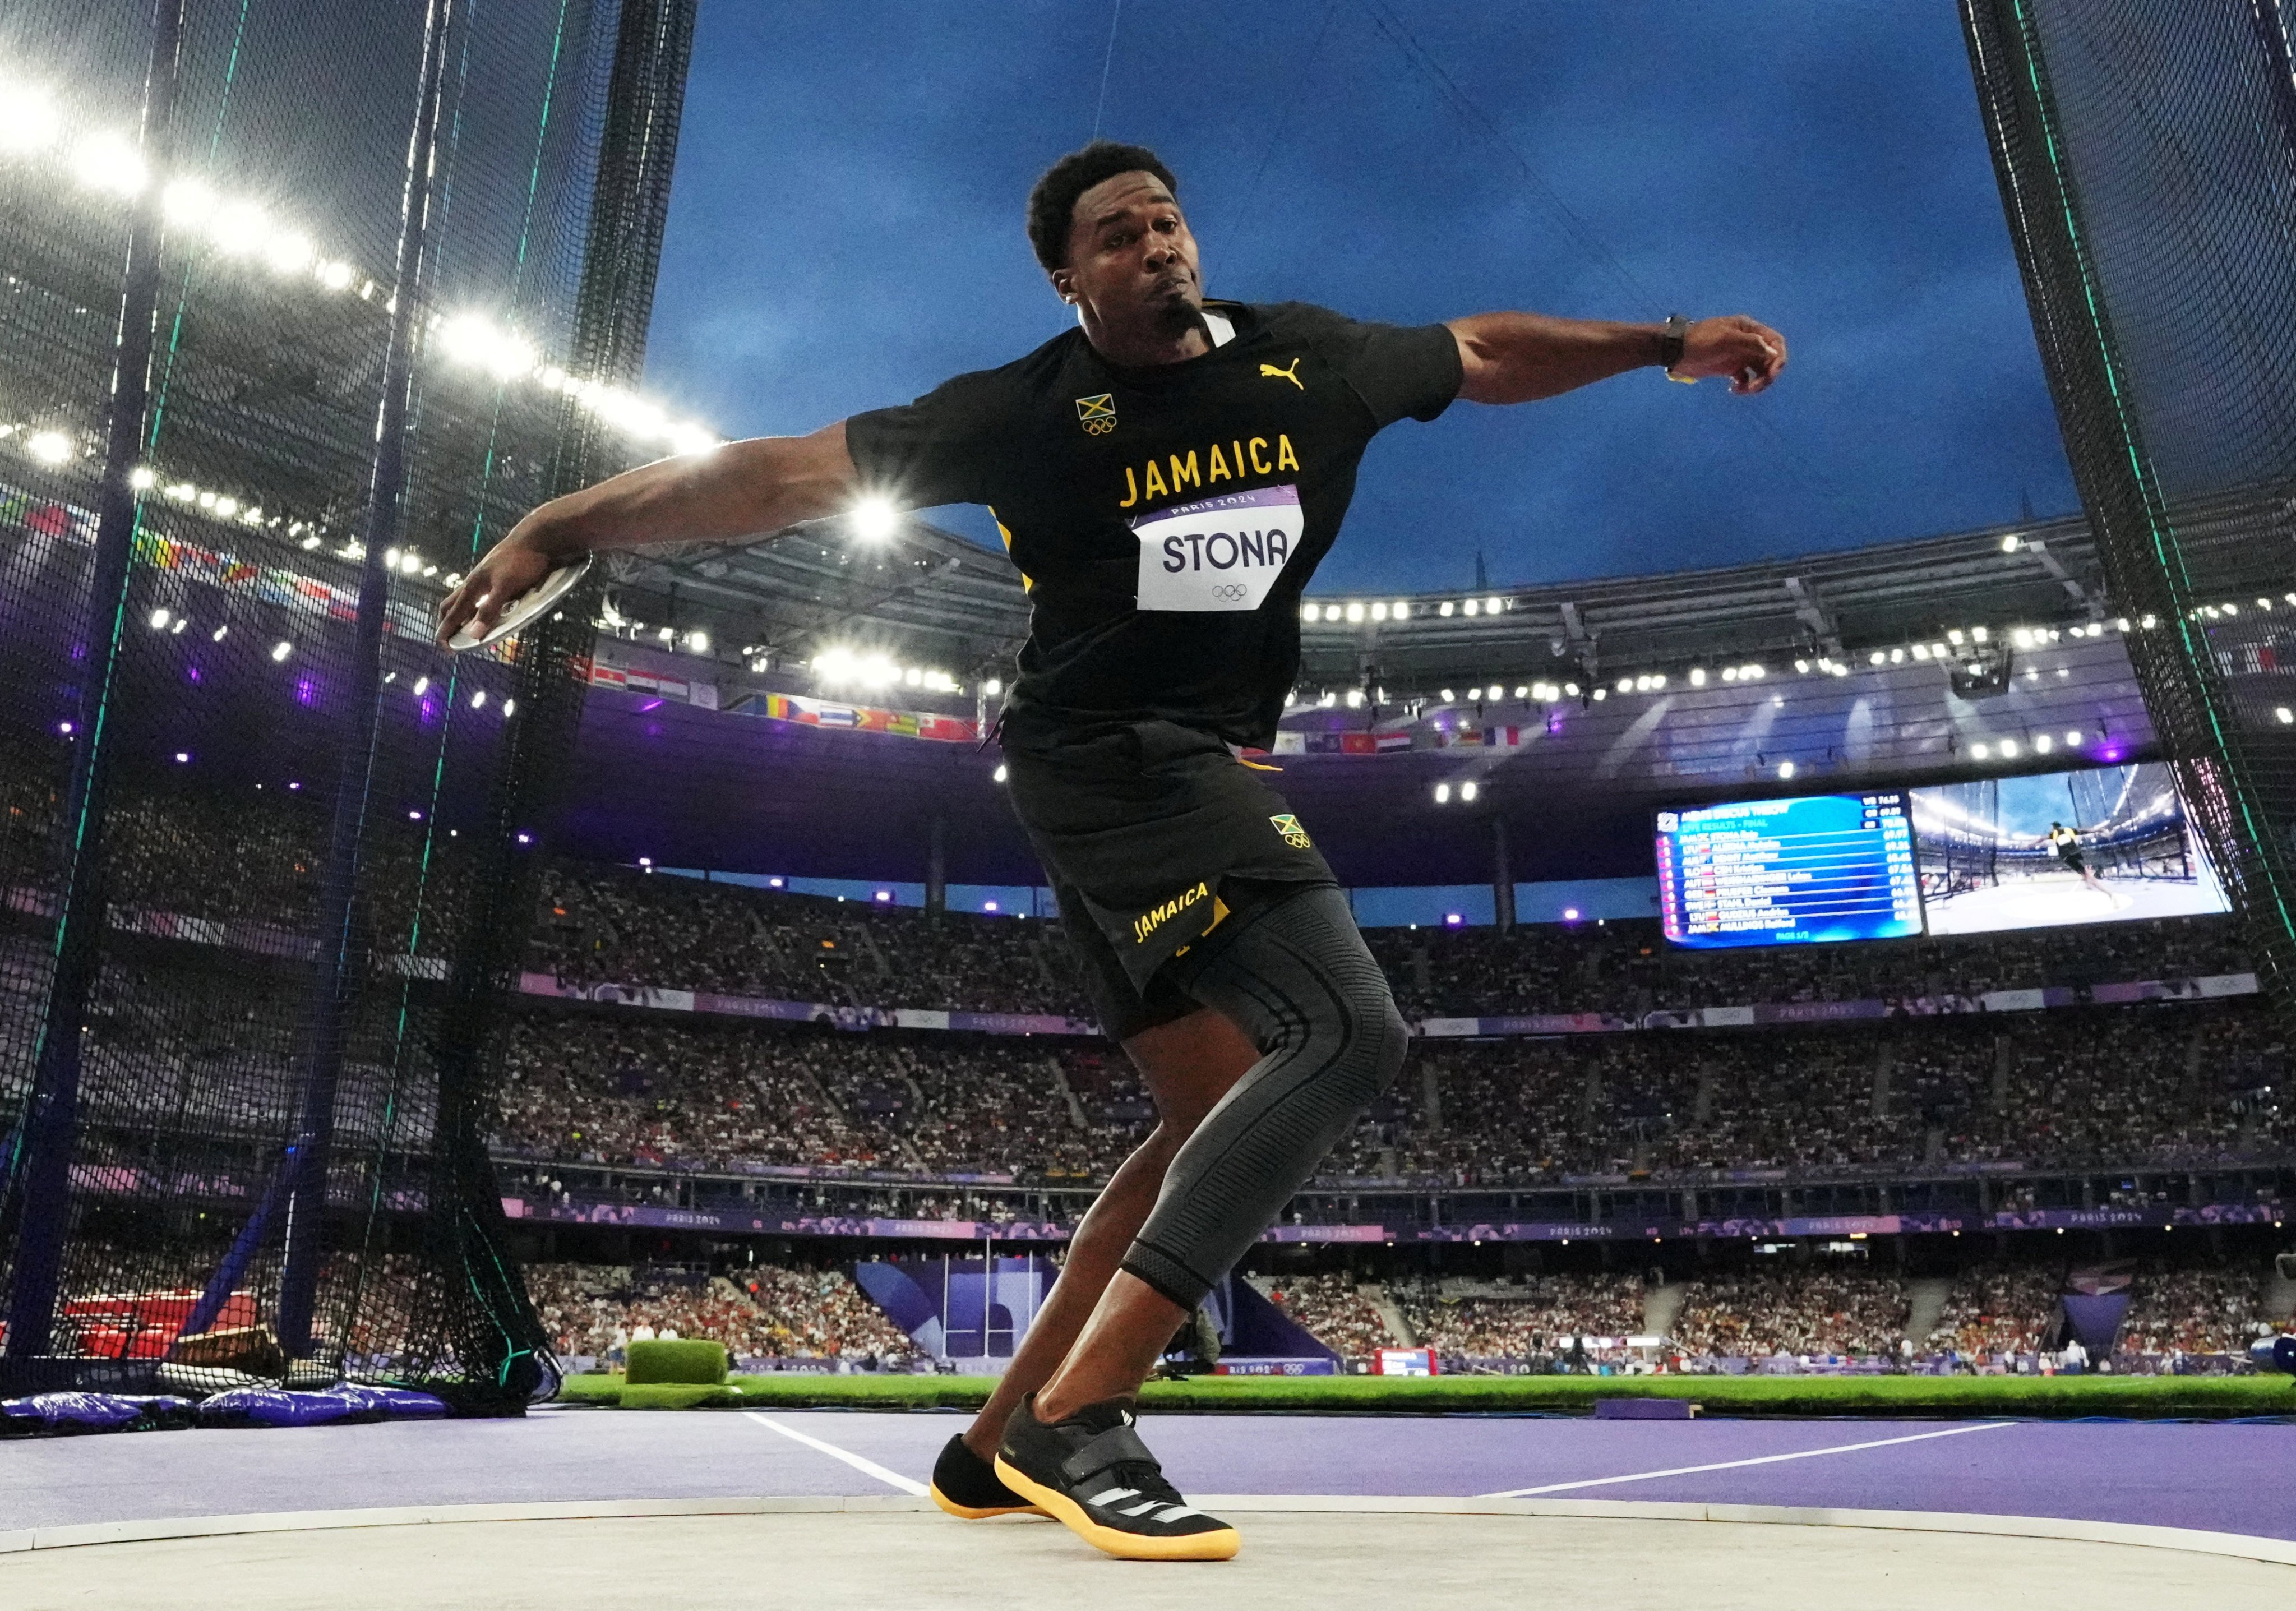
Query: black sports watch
(1669, 343)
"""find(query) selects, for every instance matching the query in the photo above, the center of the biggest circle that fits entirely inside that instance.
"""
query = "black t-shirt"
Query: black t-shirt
(1164, 521)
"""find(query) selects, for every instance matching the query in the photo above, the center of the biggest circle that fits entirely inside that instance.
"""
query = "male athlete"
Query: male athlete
(2065, 843)
(1167, 477)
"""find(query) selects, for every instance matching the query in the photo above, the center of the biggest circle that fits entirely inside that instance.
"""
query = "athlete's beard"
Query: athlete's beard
(1178, 313)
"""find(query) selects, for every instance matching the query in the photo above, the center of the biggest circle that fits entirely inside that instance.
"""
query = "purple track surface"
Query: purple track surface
(2223, 1478)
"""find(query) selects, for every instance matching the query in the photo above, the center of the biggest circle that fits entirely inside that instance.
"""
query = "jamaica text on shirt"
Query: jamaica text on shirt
(1221, 462)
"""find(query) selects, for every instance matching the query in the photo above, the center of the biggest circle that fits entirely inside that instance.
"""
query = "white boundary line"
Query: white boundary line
(866, 1467)
(2195, 1541)
(1759, 1460)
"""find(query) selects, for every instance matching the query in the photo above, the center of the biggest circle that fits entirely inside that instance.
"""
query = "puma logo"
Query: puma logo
(1290, 375)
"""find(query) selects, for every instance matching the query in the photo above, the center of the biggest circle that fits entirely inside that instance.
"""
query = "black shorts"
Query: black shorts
(1150, 833)
(2073, 861)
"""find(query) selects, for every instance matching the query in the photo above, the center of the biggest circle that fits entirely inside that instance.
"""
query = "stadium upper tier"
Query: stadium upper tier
(814, 703)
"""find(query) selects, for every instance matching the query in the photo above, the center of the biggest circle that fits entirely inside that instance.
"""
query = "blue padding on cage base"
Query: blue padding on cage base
(274, 1407)
(61, 1414)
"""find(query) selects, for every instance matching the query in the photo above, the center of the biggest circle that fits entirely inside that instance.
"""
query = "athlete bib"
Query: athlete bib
(1220, 554)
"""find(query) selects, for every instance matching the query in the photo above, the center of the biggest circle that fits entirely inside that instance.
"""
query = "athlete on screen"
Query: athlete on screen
(1167, 477)
(2066, 843)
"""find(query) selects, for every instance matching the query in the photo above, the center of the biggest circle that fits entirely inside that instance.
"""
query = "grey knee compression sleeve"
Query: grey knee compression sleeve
(1298, 981)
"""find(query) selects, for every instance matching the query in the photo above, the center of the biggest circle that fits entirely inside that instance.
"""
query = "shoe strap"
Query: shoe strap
(1117, 1446)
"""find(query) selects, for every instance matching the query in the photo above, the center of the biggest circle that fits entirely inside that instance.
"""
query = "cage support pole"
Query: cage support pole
(40, 1171)
(344, 940)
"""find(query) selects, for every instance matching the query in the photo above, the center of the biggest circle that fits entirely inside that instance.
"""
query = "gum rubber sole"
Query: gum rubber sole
(970, 1512)
(1219, 1546)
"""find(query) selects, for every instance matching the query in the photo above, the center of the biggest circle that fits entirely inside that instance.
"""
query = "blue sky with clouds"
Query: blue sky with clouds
(845, 230)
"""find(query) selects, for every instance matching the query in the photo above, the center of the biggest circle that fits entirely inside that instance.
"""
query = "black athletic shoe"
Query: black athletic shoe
(965, 1485)
(1092, 1472)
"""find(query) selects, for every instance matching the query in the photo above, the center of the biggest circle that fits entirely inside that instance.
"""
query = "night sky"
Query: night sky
(844, 231)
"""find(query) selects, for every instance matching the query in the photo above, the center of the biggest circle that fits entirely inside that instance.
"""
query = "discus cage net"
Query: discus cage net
(2145, 152)
(304, 306)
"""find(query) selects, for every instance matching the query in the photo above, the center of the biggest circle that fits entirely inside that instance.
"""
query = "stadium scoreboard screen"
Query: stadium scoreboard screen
(1790, 872)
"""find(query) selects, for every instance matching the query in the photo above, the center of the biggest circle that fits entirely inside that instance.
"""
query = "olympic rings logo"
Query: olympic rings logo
(1231, 591)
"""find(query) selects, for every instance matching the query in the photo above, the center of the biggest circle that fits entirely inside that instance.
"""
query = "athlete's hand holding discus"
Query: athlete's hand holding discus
(732, 493)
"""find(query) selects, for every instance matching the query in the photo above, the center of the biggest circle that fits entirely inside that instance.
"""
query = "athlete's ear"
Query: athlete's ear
(1064, 282)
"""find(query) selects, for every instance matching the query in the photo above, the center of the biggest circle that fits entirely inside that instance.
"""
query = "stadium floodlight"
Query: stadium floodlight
(1977, 635)
(28, 118)
(2008, 749)
(874, 520)
(1698, 676)
(1442, 793)
(2284, 714)
(1921, 651)
(109, 162)
(1467, 791)
(1978, 751)
(2073, 738)
(289, 252)
(698, 641)
(421, 686)
(1625, 685)
(160, 619)
(1523, 692)
(48, 446)
(1786, 769)
(1876, 658)
(1378, 611)
(1571, 688)
(1953, 636)
(1399, 609)
(1355, 699)
(667, 634)
(281, 650)
(479, 700)
(1470, 607)
(1444, 608)
(188, 203)
(143, 478)
(2042, 745)
(220, 633)
(334, 274)
(1602, 694)
(2009, 544)
(1447, 696)
(239, 229)
(993, 686)
(1492, 606)
(1355, 614)
(1000, 774)
(510, 708)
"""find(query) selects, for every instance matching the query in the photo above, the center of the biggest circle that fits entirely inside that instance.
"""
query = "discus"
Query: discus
(524, 608)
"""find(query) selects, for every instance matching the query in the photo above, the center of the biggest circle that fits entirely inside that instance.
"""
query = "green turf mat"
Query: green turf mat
(1907, 1397)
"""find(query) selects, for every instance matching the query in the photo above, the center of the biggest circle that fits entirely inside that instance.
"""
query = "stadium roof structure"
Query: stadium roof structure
(924, 595)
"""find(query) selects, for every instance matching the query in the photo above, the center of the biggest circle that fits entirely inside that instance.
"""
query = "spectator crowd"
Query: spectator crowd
(2166, 1086)
(759, 1311)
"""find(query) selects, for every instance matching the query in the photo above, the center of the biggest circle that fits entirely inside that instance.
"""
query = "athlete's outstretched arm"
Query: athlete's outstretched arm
(1520, 357)
(741, 490)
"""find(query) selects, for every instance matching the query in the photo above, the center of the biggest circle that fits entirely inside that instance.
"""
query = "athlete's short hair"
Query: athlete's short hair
(1052, 203)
